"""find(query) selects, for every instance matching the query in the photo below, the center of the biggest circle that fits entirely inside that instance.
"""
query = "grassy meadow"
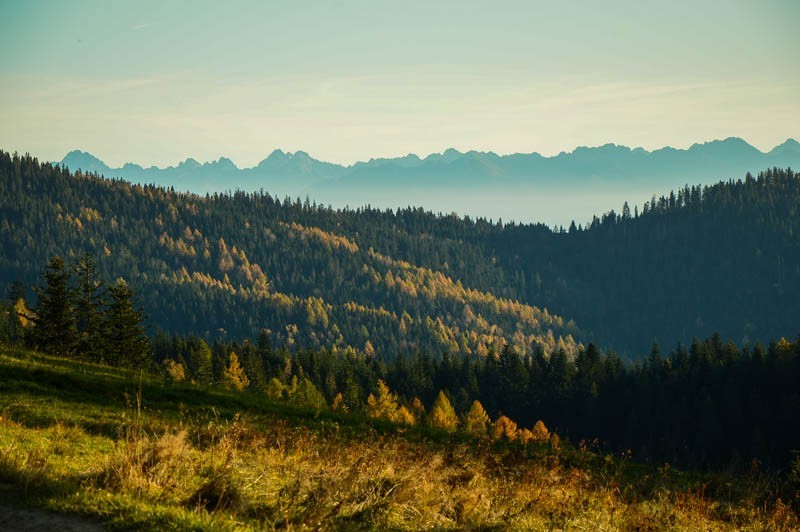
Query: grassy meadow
(133, 451)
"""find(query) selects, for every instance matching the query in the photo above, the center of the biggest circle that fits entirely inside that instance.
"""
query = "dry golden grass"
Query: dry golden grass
(203, 469)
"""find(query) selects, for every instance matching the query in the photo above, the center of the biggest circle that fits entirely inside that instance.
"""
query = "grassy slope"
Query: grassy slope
(134, 452)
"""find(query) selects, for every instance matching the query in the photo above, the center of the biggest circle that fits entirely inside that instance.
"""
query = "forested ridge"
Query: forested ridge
(229, 266)
(721, 259)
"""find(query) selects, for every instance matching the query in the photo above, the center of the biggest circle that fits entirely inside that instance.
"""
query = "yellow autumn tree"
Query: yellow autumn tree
(477, 420)
(540, 432)
(384, 405)
(275, 389)
(405, 416)
(525, 436)
(235, 377)
(504, 427)
(442, 414)
(338, 403)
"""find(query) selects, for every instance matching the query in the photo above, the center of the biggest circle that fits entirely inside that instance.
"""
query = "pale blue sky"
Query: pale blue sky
(156, 82)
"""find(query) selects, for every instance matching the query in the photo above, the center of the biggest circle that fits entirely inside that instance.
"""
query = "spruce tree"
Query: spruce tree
(89, 303)
(125, 341)
(54, 319)
(201, 361)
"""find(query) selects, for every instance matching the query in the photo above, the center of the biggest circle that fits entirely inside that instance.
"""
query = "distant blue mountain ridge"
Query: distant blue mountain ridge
(595, 179)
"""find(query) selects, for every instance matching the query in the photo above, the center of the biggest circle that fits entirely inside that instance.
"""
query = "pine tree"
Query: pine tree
(54, 319)
(125, 342)
(201, 361)
(89, 303)
(309, 395)
(16, 292)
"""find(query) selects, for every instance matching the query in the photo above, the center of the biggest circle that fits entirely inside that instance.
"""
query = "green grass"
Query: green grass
(134, 452)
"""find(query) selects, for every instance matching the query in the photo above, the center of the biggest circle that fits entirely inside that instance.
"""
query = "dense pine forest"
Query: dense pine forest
(702, 260)
(720, 258)
(229, 266)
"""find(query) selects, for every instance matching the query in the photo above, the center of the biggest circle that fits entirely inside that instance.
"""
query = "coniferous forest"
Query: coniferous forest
(427, 304)
(227, 266)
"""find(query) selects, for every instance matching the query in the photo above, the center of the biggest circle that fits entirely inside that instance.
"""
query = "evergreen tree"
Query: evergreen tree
(89, 303)
(16, 291)
(201, 361)
(54, 319)
(125, 342)
(309, 395)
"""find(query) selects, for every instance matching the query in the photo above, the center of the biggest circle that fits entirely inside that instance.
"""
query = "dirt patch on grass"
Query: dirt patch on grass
(31, 519)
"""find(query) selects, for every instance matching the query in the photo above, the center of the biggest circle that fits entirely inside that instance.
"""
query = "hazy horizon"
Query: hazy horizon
(525, 188)
(140, 81)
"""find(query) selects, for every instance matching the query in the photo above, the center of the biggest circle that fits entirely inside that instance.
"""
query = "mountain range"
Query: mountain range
(524, 187)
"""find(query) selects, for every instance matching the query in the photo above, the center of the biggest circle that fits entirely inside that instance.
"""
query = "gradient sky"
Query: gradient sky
(154, 82)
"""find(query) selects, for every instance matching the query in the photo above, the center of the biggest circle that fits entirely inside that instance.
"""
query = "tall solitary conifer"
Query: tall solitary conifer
(54, 320)
(89, 303)
(125, 341)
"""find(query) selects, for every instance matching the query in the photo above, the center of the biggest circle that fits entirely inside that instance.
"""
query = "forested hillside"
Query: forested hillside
(723, 258)
(702, 260)
(230, 266)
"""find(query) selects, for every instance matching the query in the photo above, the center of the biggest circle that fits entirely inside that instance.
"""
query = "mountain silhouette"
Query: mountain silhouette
(521, 186)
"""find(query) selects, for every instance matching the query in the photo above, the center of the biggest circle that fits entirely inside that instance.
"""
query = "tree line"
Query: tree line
(78, 314)
(709, 404)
